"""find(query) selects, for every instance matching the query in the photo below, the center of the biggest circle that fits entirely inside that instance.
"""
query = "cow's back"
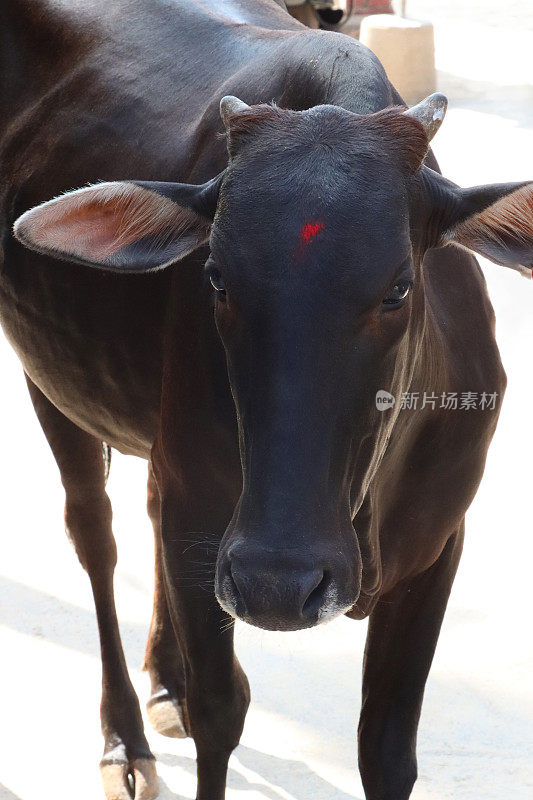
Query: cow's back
(130, 90)
(122, 93)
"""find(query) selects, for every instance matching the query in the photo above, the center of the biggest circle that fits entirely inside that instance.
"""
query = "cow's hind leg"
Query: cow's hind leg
(402, 636)
(128, 766)
(163, 660)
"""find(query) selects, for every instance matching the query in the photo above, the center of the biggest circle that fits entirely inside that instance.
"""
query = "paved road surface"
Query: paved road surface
(476, 731)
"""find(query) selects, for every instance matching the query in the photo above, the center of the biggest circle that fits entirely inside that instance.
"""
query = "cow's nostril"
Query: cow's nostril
(315, 599)
(232, 583)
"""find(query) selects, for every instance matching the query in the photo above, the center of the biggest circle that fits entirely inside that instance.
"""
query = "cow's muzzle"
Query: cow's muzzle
(283, 590)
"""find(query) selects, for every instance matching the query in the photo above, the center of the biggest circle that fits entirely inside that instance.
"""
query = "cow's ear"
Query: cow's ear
(131, 227)
(495, 221)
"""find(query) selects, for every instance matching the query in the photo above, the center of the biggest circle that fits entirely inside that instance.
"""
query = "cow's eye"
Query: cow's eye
(398, 293)
(217, 283)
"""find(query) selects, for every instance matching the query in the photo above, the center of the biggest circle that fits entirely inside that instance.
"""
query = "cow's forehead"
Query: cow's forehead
(312, 217)
(313, 200)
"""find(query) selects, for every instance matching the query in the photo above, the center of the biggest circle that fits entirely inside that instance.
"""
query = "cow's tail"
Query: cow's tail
(106, 455)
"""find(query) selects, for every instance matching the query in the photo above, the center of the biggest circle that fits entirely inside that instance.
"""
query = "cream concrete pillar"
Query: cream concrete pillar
(303, 12)
(406, 48)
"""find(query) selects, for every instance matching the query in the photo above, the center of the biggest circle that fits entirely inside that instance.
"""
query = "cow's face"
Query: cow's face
(314, 272)
(320, 224)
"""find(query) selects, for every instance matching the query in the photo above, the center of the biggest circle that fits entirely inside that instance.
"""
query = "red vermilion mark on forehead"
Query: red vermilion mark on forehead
(310, 230)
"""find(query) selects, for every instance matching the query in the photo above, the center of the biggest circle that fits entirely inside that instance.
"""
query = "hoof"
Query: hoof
(166, 715)
(134, 781)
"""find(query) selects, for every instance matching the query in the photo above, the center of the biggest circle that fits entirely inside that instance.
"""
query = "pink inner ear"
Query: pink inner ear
(97, 222)
(310, 230)
(503, 232)
(91, 230)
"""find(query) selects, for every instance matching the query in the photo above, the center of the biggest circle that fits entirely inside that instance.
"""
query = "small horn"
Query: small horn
(430, 112)
(230, 105)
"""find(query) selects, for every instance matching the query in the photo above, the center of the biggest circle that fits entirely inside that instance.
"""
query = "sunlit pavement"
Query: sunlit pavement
(475, 739)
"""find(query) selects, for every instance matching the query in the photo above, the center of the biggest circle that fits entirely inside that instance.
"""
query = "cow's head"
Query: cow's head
(317, 231)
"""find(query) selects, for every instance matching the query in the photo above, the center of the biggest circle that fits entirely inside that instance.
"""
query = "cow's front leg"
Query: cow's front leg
(163, 661)
(217, 692)
(402, 636)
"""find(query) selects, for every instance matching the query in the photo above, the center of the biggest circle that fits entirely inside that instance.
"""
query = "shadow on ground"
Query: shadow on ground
(7, 794)
(32, 612)
(461, 717)
(296, 777)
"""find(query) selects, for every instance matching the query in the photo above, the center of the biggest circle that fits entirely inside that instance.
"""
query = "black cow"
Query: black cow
(323, 243)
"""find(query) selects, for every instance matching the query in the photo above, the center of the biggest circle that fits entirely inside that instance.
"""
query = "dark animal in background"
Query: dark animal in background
(326, 280)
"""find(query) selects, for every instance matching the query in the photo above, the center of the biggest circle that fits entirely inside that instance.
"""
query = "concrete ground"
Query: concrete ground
(476, 732)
